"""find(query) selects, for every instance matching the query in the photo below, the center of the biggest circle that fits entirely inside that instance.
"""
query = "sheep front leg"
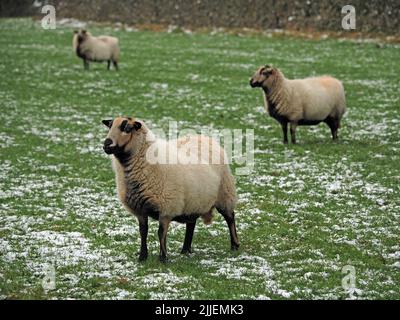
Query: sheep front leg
(187, 244)
(86, 64)
(162, 236)
(108, 64)
(284, 130)
(143, 228)
(293, 126)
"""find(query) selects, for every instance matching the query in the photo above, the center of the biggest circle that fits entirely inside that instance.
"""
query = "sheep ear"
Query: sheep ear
(76, 31)
(108, 123)
(83, 31)
(270, 70)
(137, 125)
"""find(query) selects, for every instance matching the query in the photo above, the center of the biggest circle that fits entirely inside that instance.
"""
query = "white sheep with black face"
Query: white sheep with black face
(179, 191)
(96, 49)
(301, 101)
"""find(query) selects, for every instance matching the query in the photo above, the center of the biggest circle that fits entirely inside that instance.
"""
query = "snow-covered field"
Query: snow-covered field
(305, 214)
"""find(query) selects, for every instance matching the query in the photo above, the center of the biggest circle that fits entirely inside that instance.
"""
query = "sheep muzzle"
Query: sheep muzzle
(108, 147)
(254, 84)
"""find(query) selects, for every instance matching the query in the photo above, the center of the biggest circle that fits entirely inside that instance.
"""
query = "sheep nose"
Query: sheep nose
(107, 142)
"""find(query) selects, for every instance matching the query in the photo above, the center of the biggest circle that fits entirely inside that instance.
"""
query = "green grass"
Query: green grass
(304, 213)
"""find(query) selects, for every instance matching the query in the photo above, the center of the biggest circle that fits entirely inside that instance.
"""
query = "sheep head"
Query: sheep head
(122, 134)
(261, 76)
(81, 35)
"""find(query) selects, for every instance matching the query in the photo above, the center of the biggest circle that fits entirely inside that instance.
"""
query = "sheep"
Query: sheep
(169, 191)
(302, 101)
(97, 49)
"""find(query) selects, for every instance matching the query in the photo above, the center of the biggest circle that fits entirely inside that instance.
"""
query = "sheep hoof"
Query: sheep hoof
(163, 259)
(235, 247)
(285, 142)
(187, 251)
(142, 257)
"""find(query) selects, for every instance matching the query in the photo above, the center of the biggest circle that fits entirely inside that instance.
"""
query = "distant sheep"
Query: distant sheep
(179, 191)
(96, 49)
(301, 102)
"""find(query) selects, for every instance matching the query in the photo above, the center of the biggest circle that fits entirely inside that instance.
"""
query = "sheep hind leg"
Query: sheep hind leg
(108, 64)
(285, 131)
(333, 124)
(86, 64)
(187, 244)
(115, 64)
(230, 220)
(162, 236)
(143, 228)
(293, 126)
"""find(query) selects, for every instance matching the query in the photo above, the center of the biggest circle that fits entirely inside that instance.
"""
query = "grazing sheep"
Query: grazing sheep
(97, 49)
(302, 101)
(170, 191)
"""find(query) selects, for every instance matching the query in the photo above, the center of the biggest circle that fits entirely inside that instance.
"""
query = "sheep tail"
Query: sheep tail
(207, 218)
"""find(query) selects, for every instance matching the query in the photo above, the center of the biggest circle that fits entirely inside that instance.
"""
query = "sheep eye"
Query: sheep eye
(123, 125)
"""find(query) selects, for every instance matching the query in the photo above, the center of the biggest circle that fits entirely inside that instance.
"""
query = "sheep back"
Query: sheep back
(205, 182)
(315, 99)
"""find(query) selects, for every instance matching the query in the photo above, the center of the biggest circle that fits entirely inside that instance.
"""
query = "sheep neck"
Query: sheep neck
(142, 181)
(276, 96)
(133, 158)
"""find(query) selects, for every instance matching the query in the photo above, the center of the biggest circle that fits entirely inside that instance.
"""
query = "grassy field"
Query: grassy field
(305, 212)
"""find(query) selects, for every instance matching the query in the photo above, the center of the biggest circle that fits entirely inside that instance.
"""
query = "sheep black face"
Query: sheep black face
(261, 75)
(120, 136)
(81, 35)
